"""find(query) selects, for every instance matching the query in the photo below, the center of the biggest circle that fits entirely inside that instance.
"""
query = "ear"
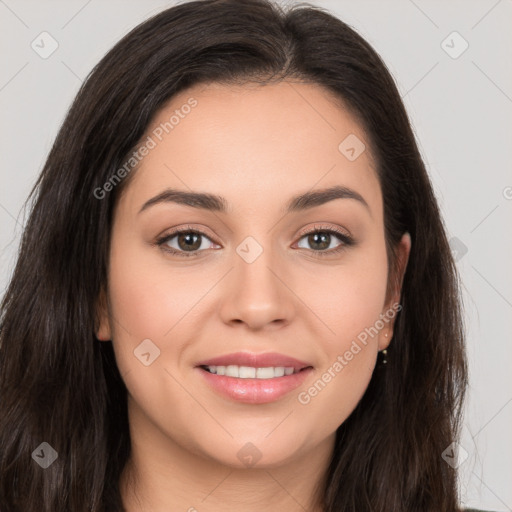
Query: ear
(102, 327)
(389, 312)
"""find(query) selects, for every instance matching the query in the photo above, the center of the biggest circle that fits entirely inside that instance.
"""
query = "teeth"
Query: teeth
(248, 372)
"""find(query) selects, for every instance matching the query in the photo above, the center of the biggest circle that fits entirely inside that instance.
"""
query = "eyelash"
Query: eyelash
(346, 239)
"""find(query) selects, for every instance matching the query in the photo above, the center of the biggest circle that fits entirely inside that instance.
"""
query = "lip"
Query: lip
(256, 360)
(255, 391)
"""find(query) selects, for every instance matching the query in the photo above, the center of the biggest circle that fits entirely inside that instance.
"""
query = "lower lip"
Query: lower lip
(255, 391)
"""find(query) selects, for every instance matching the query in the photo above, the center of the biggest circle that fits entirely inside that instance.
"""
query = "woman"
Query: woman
(234, 289)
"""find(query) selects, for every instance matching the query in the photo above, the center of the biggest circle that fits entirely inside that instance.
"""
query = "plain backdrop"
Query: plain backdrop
(452, 61)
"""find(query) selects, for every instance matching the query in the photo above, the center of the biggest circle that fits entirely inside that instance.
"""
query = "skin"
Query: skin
(257, 146)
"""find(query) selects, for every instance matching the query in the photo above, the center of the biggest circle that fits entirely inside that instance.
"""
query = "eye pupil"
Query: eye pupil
(188, 237)
(314, 238)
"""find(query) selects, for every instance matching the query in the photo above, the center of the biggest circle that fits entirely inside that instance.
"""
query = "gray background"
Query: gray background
(461, 109)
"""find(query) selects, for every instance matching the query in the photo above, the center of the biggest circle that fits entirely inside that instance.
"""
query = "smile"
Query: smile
(250, 372)
(251, 385)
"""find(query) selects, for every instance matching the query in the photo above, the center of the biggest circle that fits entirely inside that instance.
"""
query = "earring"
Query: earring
(384, 352)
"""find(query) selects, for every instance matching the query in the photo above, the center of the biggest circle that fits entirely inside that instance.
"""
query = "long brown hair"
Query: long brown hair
(59, 385)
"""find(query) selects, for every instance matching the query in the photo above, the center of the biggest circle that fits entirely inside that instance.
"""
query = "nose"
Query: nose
(258, 293)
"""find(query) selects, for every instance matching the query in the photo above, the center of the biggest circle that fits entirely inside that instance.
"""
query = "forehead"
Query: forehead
(255, 145)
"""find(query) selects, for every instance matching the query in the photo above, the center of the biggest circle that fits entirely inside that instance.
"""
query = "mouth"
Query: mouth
(251, 372)
(248, 365)
(254, 378)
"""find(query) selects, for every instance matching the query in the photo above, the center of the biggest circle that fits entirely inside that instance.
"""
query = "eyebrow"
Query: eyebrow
(216, 203)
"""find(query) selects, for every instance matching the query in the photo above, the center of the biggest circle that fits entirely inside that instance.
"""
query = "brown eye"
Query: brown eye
(184, 242)
(189, 241)
(320, 240)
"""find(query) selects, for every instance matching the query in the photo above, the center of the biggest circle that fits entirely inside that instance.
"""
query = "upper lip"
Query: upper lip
(269, 359)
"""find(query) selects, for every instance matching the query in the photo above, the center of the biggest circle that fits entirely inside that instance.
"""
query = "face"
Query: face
(286, 283)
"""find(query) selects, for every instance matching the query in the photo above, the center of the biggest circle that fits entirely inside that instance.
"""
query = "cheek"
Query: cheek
(350, 304)
(149, 301)
(149, 296)
(348, 297)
